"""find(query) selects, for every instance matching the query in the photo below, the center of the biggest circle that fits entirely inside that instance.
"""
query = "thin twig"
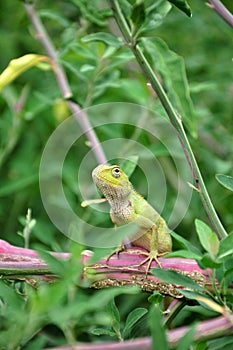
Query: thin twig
(174, 118)
(222, 11)
(63, 83)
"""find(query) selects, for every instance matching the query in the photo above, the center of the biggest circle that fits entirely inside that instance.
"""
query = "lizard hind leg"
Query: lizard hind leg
(152, 255)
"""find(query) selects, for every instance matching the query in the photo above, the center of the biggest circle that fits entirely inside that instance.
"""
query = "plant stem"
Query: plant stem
(222, 11)
(63, 83)
(205, 330)
(173, 116)
(174, 312)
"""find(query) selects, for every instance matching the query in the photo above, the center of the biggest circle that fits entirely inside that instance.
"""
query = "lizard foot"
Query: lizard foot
(117, 251)
(153, 255)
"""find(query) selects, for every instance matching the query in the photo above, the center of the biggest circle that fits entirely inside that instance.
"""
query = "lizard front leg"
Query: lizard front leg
(117, 251)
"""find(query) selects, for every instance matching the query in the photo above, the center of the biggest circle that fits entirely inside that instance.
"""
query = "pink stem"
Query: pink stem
(205, 330)
(7, 248)
(63, 83)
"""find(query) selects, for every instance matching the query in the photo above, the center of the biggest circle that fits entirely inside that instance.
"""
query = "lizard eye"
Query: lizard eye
(116, 172)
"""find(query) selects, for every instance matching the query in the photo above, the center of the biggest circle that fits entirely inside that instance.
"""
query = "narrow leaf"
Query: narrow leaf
(103, 331)
(138, 15)
(115, 318)
(186, 244)
(225, 180)
(183, 6)
(114, 312)
(55, 265)
(172, 68)
(221, 343)
(211, 304)
(210, 261)
(203, 300)
(133, 318)
(226, 246)
(18, 185)
(155, 298)
(173, 277)
(186, 341)
(19, 66)
(207, 237)
(157, 329)
(183, 254)
(106, 38)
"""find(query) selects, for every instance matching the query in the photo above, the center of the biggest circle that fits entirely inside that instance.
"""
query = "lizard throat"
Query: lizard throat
(116, 196)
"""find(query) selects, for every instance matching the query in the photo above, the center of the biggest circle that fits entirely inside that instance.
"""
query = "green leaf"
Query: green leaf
(138, 15)
(114, 311)
(207, 237)
(103, 331)
(226, 246)
(186, 340)
(10, 296)
(172, 68)
(209, 261)
(183, 6)
(173, 277)
(87, 68)
(126, 7)
(183, 254)
(38, 343)
(135, 90)
(221, 343)
(228, 277)
(157, 329)
(201, 346)
(186, 244)
(115, 315)
(203, 300)
(55, 16)
(225, 180)
(91, 12)
(155, 15)
(18, 185)
(55, 265)
(155, 298)
(129, 165)
(107, 38)
(120, 58)
(133, 318)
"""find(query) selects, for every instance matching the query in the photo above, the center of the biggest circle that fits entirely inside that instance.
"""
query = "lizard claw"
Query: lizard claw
(153, 255)
(116, 251)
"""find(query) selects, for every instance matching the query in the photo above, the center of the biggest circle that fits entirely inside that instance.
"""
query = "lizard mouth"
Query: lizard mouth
(105, 180)
(98, 177)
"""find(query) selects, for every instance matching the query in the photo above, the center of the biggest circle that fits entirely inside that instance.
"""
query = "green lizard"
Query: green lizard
(129, 206)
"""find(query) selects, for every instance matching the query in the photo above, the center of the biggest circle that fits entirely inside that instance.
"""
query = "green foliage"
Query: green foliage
(207, 237)
(157, 329)
(226, 181)
(173, 277)
(101, 68)
(172, 69)
(184, 343)
(133, 318)
(218, 258)
(183, 6)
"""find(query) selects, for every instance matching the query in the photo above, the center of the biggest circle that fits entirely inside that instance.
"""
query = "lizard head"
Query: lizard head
(112, 177)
